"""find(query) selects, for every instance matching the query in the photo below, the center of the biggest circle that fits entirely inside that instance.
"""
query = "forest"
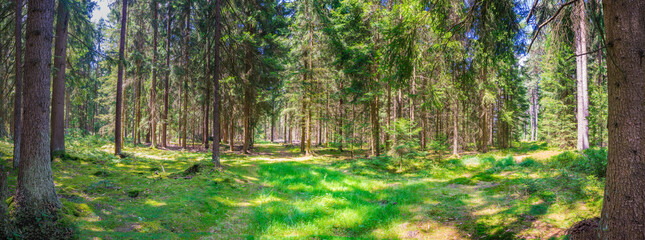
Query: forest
(322, 119)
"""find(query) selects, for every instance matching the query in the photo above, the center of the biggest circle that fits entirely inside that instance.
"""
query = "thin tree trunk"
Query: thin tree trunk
(164, 126)
(36, 197)
(184, 113)
(231, 131)
(119, 84)
(17, 107)
(208, 94)
(375, 126)
(216, 75)
(58, 86)
(455, 137)
(153, 86)
(624, 198)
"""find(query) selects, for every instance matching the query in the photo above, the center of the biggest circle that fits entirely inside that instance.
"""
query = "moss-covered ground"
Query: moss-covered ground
(528, 192)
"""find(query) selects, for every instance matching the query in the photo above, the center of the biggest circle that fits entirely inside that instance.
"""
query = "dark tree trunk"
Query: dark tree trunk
(35, 195)
(624, 201)
(58, 87)
(231, 131)
(375, 126)
(164, 124)
(216, 76)
(17, 104)
(119, 84)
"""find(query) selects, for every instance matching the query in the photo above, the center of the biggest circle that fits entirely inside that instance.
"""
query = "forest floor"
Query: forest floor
(528, 192)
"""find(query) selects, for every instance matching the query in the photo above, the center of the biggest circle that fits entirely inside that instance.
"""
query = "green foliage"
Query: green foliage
(558, 123)
(406, 143)
(592, 161)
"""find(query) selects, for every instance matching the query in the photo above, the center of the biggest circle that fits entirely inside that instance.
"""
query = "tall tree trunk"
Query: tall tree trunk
(184, 113)
(272, 128)
(388, 117)
(137, 101)
(17, 104)
(455, 129)
(624, 200)
(582, 95)
(284, 129)
(231, 131)
(216, 73)
(4, 194)
(375, 126)
(208, 77)
(58, 87)
(164, 125)
(35, 195)
(119, 84)
(153, 86)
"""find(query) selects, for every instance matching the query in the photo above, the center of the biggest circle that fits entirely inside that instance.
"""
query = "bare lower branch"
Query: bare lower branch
(537, 32)
(528, 18)
(582, 54)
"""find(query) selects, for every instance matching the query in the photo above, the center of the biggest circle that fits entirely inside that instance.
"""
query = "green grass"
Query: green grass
(280, 194)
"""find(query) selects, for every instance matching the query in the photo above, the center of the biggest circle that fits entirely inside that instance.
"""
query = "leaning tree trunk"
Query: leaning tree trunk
(581, 76)
(216, 76)
(119, 84)
(17, 104)
(624, 201)
(36, 200)
(58, 87)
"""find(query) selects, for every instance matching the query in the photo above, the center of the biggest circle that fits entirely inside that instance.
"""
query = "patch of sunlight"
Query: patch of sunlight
(345, 218)
(544, 155)
(230, 202)
(282, 230)
(95, 228)
(251, 178)
(92, 218)
(491, 210)
(334, 186)
(155, 203)
(143, 155)
(300, 187)
(328, 200)
(262, 199)
(290, 159)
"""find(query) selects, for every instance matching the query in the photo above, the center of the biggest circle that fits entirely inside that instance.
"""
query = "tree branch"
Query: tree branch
(537, 32)
(528, 18)
(582, 54)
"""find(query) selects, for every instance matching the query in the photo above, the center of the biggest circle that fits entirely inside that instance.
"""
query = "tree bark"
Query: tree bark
(375, 126)
(455, 136)
(231, 131)
(17, 104)
(58, 86)
(119, 84)
(35, 195)
(153, 86)
(185, 83)
(581, 75)
(624, 199)
(164, 125)
(216, 75)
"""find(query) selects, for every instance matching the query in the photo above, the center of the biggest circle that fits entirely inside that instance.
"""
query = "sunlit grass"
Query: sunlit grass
(279, 193)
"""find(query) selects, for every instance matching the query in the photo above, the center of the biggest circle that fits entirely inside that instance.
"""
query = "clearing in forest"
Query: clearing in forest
(275, 192)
